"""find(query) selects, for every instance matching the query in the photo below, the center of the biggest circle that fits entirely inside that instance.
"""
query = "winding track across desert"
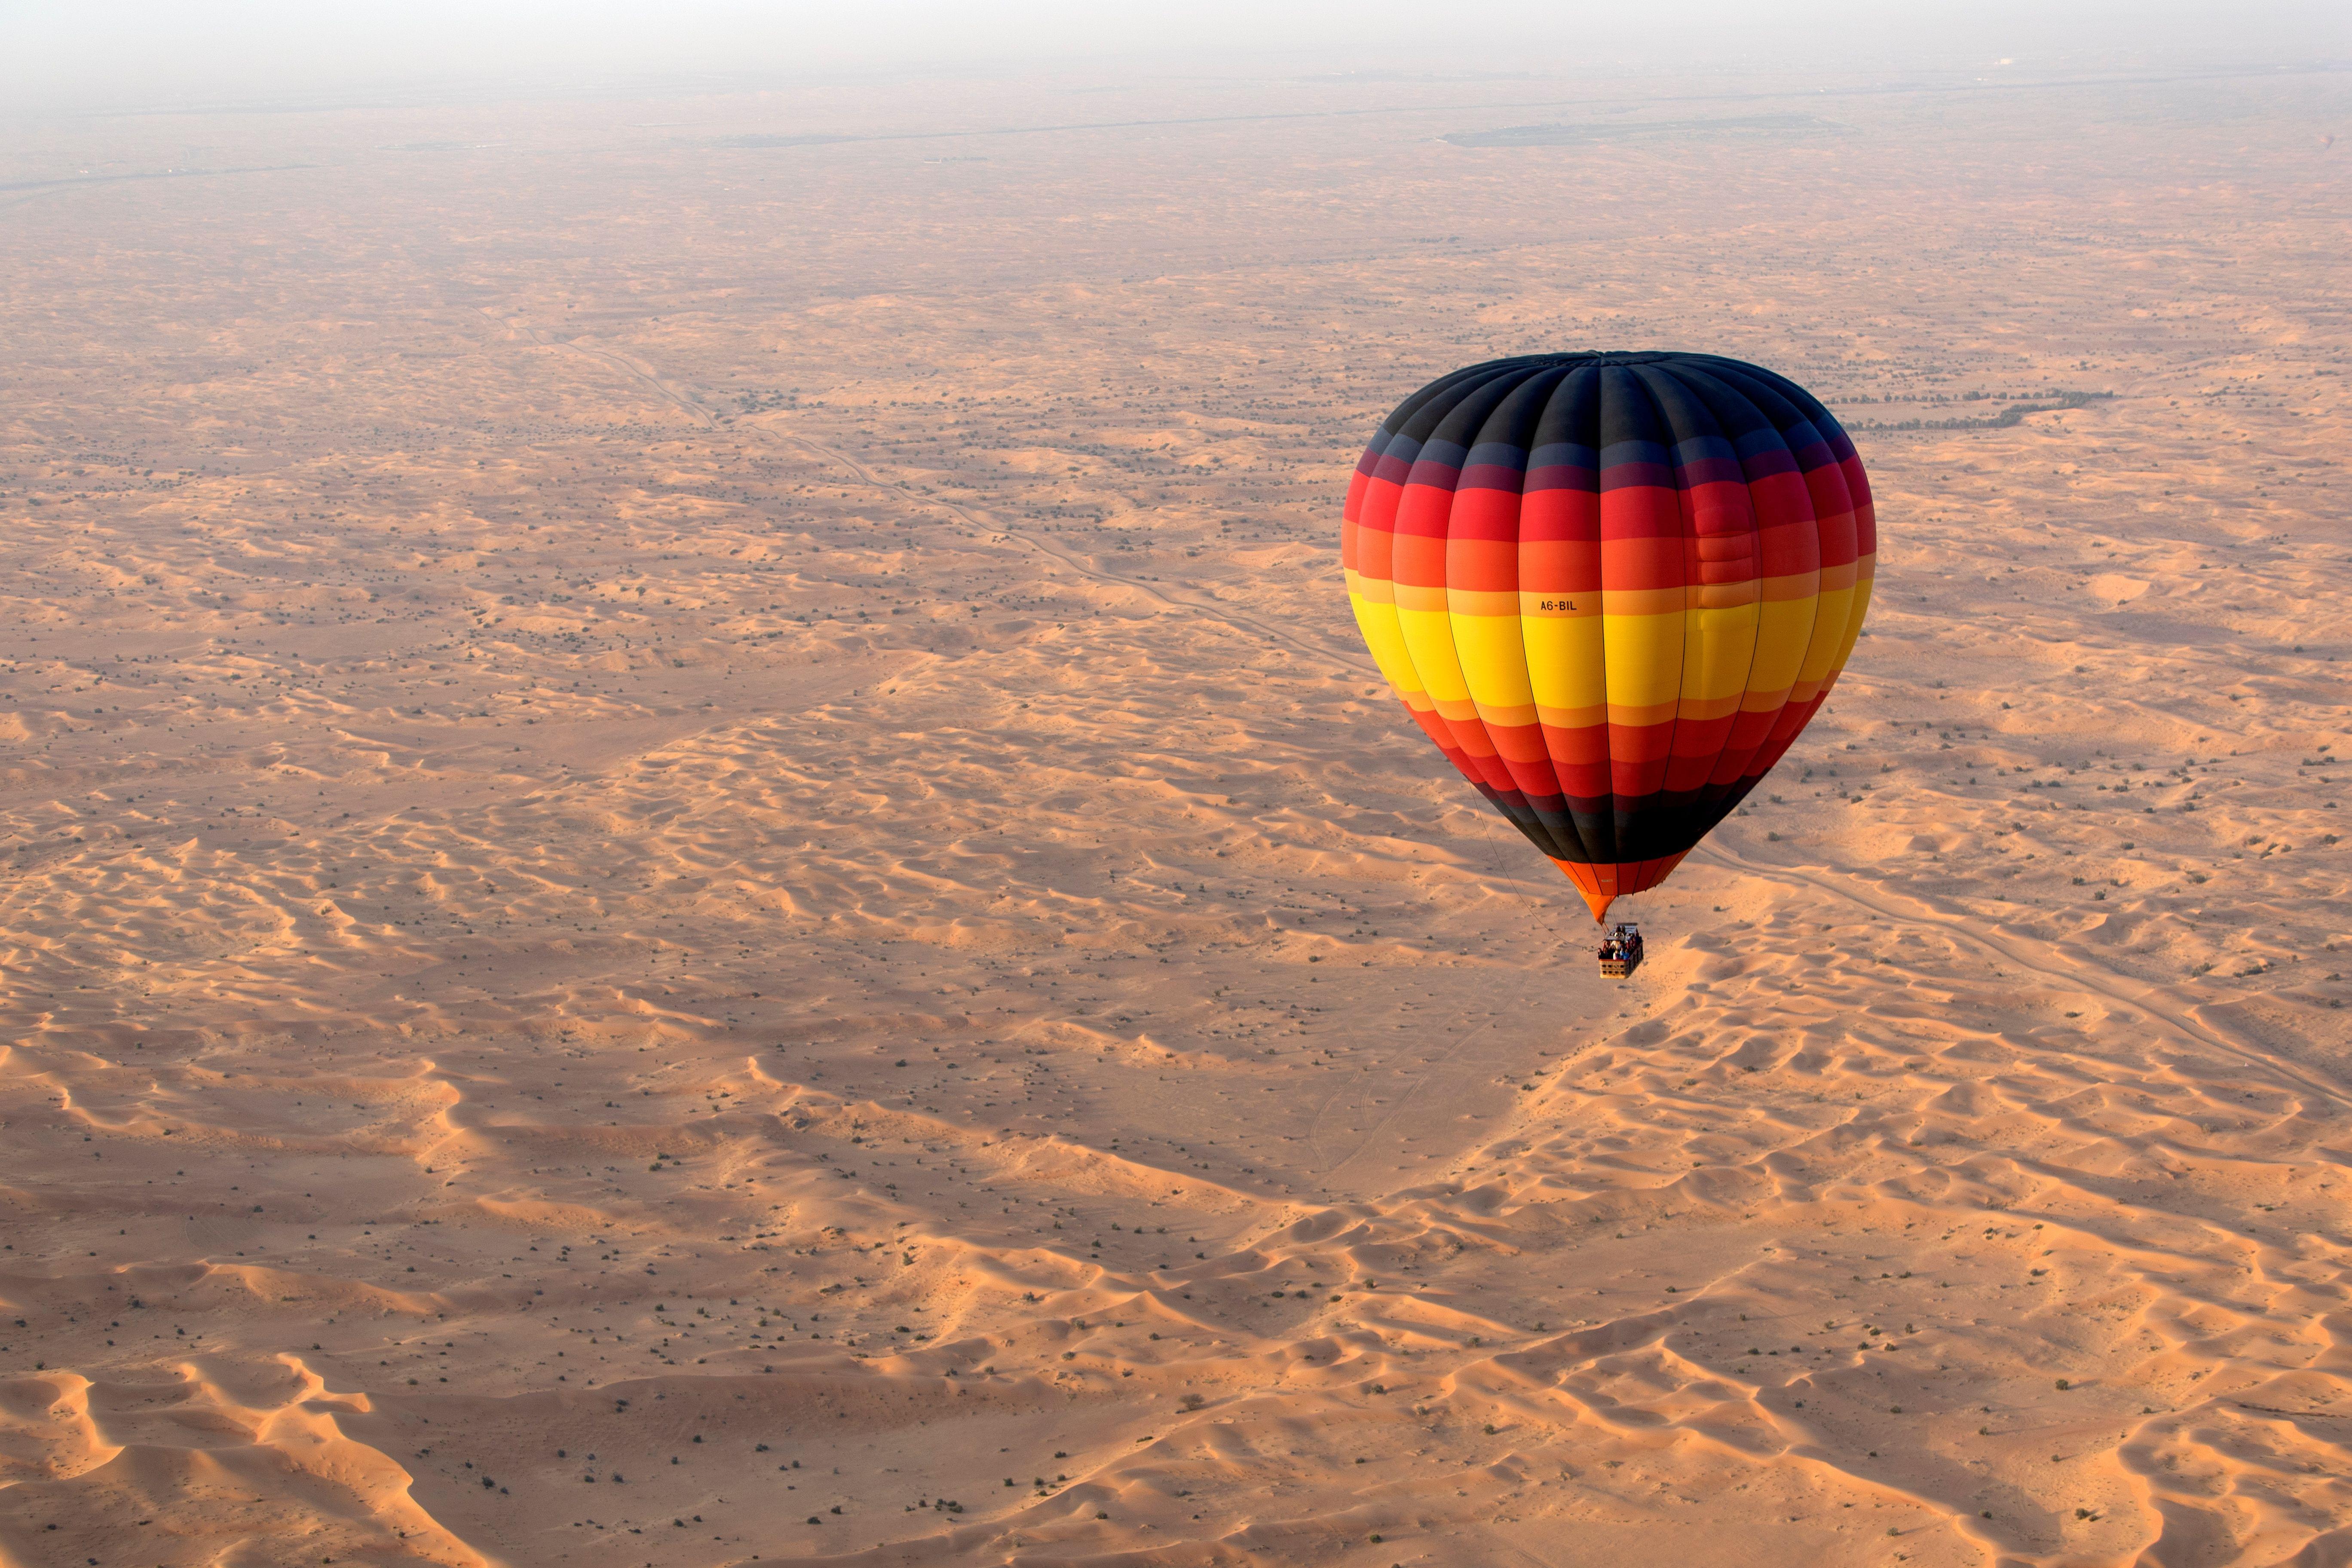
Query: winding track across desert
(701, 867)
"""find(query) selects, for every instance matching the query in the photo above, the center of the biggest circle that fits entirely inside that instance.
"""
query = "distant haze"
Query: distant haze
(131, 54)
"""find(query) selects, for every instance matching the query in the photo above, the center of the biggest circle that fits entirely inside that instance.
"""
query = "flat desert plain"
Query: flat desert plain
(701, 867)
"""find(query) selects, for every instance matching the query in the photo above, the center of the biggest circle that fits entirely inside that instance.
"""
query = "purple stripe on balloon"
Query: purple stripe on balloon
(1710, 472)
(1491, 476)
(1813, 454)
(1636, 476)
(1562, 476)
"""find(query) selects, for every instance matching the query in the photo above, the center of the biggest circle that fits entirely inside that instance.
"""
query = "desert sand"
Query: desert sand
(701, 868)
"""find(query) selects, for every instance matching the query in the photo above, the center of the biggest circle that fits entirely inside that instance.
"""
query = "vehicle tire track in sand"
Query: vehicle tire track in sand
(642, 375)
(2064, 968)
(1407, 1099)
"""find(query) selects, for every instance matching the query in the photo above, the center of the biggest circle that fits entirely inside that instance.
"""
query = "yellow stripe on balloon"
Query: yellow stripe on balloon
(1565, 667)
(1821, 648)
(1378, 622)
(1784, 630)
(1429, 639)
(1866, 572)
(1494, 664)
(1718, 650)
(1643, 656)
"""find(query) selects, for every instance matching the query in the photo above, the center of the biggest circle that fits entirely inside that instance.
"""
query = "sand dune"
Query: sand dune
(702, 868)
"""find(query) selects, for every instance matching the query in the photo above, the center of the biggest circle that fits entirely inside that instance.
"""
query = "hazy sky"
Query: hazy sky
(108, 54)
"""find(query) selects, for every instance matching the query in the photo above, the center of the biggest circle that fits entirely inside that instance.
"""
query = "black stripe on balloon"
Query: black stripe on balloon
(1519, 815)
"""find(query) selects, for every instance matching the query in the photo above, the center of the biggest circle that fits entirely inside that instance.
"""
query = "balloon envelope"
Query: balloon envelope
(1612, 588)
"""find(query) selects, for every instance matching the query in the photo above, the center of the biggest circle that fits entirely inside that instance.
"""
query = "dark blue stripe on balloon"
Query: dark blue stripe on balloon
(1563, 455)
(1704, 449)
(1618, 454)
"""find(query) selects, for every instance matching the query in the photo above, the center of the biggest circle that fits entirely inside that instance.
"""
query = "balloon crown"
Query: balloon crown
(1606, 357)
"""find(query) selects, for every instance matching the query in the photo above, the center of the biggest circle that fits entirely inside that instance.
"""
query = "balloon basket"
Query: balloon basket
(1621, 951)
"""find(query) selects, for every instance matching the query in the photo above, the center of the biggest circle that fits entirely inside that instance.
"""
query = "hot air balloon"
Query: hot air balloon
(1612, 588)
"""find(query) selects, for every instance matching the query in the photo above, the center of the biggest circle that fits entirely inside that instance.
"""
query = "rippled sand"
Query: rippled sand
(701, 867)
